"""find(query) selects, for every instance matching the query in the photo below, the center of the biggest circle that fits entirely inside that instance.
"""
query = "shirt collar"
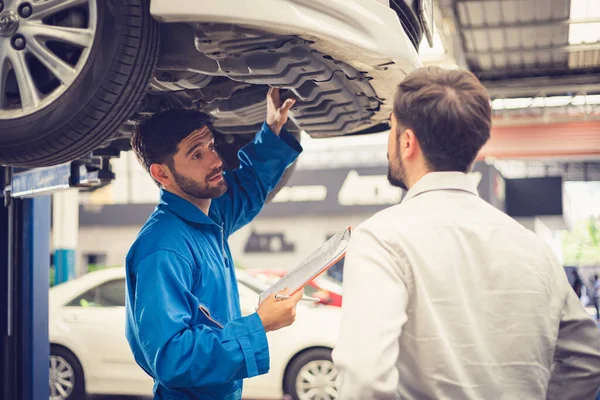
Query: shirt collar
(184, 208)
(442, 181)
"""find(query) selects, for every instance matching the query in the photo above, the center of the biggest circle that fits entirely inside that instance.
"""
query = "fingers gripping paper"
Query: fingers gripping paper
(332, 251)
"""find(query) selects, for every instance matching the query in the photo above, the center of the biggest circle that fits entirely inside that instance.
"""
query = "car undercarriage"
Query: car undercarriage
(78, 74)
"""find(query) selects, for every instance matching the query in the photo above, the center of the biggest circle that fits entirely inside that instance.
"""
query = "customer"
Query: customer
(446, 297)
(184, 323)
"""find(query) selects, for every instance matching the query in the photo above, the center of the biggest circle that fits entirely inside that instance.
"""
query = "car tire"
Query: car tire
(62, 360)
(106, 91)
(315, 361)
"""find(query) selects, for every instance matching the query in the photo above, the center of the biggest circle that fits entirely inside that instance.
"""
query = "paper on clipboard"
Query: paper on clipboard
(332, 251)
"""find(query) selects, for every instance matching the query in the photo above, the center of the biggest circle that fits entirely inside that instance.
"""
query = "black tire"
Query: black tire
(106, 92)
(295, 366)
(78, 392)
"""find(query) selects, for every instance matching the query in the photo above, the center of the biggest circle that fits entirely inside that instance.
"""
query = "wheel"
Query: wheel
(71, 71)
(66, 375)
(311, 376)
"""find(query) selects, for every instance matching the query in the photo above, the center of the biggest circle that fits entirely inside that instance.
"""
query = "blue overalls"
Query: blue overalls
(184, 322)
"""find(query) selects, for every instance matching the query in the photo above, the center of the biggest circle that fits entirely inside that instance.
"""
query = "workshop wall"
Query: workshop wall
(265, 243)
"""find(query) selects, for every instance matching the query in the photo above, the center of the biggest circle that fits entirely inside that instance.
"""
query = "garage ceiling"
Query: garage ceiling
(540, 61)
(528, 47)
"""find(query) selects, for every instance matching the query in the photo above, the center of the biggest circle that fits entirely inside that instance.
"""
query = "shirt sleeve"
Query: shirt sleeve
(373, 312)
(575, 371)
(262, 164)
(182, 346)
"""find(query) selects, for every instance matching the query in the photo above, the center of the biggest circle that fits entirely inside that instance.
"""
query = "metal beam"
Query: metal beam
(531, 24)
(7, 346)
(530, 71)
(508, 121)
(526, 87)
(452, 32)
(46, 180)
(569, 48)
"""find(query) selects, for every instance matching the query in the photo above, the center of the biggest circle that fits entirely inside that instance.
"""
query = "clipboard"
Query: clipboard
(323, 258)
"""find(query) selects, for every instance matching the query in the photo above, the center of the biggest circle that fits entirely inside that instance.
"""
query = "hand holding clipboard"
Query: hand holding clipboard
(326, 256)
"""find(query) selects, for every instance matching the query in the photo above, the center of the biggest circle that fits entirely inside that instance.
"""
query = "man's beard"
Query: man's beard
(397, 176)
(198, 191)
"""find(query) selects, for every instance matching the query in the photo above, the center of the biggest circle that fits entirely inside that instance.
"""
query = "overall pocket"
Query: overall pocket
(209, 320)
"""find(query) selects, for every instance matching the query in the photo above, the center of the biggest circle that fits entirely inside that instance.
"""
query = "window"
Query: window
(109, 294)
(95, 259)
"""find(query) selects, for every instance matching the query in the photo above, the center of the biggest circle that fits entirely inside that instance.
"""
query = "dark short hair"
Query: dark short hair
(156, 139)
(450, 113)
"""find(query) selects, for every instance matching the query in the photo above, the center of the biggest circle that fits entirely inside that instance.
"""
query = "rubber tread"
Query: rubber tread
(122, 89)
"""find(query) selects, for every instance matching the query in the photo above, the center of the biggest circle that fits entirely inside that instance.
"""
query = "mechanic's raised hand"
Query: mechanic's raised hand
(276, 313)
(277, 114)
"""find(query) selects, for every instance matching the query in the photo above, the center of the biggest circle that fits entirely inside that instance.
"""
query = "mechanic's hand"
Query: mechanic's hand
(277, 114)
(277, 313)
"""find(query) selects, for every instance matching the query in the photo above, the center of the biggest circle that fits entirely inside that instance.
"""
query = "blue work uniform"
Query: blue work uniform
(184, 323)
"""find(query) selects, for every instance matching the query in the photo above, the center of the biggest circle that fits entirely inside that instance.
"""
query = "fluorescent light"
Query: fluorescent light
(511, 104)
(557, 101)
(585, 32)
(540, 102)
(593, 99)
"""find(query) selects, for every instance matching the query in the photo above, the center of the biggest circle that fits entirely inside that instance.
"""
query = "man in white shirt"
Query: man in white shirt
(446, 297)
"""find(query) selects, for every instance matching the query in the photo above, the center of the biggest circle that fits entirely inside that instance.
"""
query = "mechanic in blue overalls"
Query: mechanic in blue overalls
(184, 322)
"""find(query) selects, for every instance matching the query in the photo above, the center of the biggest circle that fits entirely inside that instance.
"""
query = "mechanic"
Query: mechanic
(184, 323)
(445, 296)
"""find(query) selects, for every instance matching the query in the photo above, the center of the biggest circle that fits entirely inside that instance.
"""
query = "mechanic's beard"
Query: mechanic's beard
(196, 190)
(397, 175)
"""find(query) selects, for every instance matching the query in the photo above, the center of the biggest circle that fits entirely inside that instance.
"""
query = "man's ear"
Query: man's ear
(409, 144)
(160, 173)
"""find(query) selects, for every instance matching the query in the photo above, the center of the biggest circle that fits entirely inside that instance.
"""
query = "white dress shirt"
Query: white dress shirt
(446, 297)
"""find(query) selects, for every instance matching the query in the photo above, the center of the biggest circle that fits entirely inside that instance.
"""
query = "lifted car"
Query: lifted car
(75, 75)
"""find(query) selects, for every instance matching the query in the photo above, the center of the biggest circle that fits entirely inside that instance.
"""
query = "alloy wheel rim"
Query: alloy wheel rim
(44, 46)
(62, 378)
(317, 381)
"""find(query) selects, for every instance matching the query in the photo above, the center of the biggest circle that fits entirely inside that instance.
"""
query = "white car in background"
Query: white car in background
(90, 354)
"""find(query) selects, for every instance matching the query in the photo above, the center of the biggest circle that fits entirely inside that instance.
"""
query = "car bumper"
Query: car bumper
(366, 26)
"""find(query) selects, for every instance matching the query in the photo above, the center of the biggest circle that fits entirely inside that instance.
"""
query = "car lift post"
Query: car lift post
(24, 282)
(25, 271)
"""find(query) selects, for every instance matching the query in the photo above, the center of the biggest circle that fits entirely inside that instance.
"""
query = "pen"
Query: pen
(305, 298)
